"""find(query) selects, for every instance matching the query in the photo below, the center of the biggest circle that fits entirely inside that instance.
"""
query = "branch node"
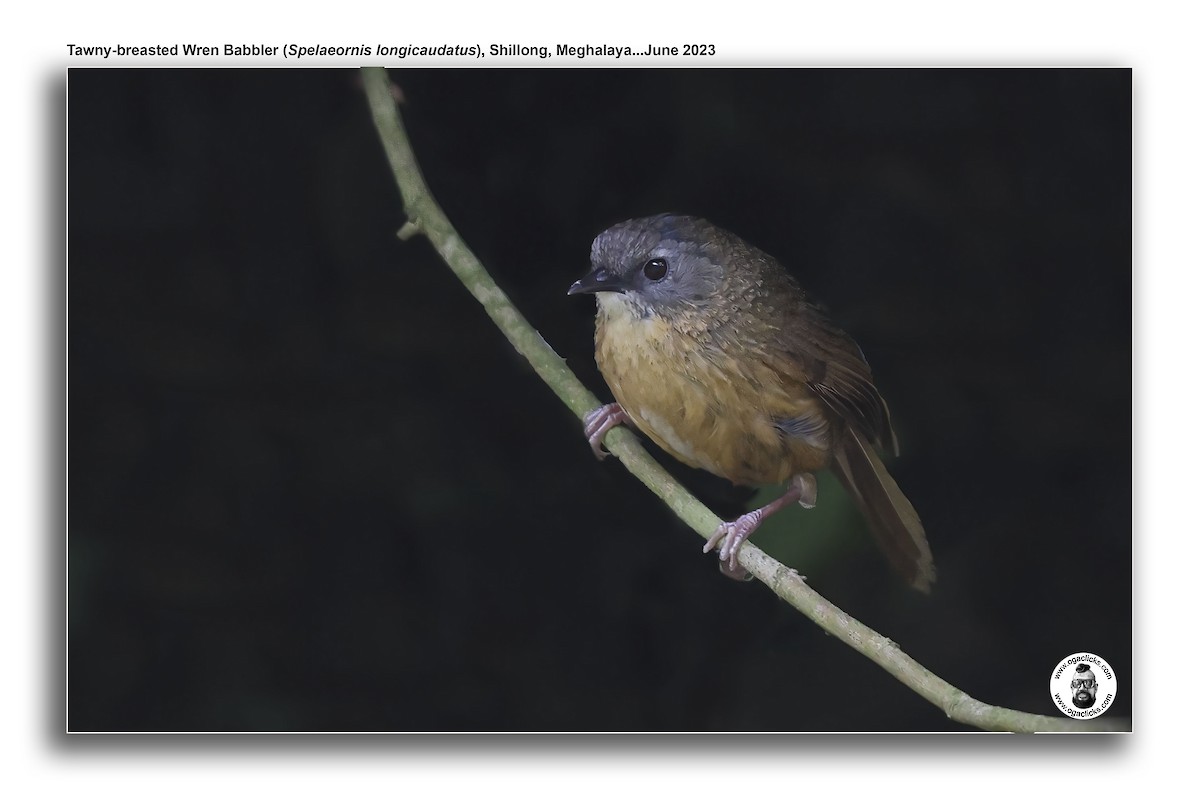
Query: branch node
(408, 230)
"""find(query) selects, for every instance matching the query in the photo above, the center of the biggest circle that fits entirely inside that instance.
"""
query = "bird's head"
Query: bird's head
(664, 265)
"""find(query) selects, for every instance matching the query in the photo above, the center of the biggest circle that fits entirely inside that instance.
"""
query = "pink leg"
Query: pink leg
(600, 421)
(802, 489)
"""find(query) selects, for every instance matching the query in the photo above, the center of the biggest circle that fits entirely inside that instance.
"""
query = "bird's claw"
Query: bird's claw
(598, 422)
(732, 569)
(730, 536)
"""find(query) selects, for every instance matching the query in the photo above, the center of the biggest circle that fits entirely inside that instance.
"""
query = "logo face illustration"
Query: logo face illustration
(1083, 686)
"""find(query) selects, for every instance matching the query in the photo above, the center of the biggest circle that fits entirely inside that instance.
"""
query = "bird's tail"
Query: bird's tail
(892, 519)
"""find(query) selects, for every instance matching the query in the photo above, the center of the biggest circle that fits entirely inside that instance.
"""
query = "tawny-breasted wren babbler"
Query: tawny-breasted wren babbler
(716, 353)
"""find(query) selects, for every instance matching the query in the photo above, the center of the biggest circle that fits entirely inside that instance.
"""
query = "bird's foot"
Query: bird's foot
(600, 421)
(730, 535)
(802, 489)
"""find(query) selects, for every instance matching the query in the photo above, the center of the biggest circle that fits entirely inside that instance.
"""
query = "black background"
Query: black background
(312, 488)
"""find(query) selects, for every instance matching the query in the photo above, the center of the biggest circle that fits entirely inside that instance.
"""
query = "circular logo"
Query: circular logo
(1083, 686)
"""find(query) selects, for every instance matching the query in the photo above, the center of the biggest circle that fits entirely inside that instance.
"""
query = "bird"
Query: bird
(714, 351)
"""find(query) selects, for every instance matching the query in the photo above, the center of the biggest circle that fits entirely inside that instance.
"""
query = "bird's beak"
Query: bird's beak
(598, 280)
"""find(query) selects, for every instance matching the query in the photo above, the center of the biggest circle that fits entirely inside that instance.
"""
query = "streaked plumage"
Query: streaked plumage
(727, 364)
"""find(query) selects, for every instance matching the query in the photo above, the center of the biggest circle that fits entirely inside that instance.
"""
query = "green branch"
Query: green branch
(427, 218)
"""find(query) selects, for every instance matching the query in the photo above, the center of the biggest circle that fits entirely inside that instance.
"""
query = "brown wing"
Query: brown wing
(839, 375)
(812, 349)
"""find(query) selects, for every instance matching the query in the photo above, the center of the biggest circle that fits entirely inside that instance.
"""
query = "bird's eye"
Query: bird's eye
(655, 269)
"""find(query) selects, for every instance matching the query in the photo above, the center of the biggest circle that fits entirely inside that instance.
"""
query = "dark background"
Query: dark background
(312, 488)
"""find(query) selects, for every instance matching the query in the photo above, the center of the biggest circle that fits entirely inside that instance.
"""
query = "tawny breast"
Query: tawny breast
(705, 407)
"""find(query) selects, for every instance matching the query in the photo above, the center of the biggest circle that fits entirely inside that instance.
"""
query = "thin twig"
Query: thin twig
(426, 217)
